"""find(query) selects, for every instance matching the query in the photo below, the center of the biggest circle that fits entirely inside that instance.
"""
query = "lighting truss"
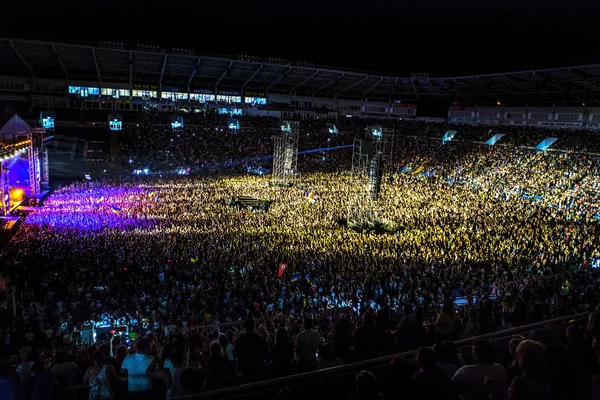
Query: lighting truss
(369, 155)
(12, 150)
(45, 177)
(37, 170)
(285, 154)
(4, 191)
(374, 176)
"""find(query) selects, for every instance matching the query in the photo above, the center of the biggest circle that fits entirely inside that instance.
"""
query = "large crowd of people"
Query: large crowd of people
(478, 239)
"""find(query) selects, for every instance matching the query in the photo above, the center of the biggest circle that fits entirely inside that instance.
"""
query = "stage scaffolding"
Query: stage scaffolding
(369, 157)
(4, 190)
(18, 137)
(37, 155)
(285, 154)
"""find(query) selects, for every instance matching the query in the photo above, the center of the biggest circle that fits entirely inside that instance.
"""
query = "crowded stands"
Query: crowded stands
(200, 295)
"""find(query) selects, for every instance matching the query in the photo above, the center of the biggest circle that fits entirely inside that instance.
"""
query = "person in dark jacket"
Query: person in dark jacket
(366, 339)
(251, 350)
(432, 380)
(534, 384)
(282, 354)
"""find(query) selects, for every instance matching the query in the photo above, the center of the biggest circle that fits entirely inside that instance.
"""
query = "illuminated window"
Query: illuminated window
(255, 100)
(116, 93)
(229, 99)
(202, 97)
(84, 91)
(145, 94)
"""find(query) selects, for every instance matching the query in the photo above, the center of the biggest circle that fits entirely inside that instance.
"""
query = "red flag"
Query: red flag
(282, 268)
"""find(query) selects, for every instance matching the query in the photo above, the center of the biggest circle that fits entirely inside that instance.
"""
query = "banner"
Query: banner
(228, 92)
(145, 87)
(202, 91)
(557, 123)
(282, 268)
(549, 124)
(173, 89)
(461, 108)
(463, 120)
(254, 94)
(420, 169)
(404, 105)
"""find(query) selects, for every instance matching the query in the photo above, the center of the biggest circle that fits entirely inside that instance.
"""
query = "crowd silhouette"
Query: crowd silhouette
(484, 239)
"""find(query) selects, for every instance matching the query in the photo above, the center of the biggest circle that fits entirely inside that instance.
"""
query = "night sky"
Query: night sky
(395, 36)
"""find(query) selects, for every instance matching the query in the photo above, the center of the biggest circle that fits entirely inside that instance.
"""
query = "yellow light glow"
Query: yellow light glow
(16, 195)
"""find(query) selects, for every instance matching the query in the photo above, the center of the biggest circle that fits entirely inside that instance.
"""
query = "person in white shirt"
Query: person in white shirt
(139, 383)
(470, 381)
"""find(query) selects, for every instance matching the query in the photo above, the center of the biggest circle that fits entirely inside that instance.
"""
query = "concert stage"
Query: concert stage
(9, 225)
(24, 164)
(29, 204)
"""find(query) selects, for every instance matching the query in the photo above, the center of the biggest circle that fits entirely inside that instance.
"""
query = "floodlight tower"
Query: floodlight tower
(285, 154)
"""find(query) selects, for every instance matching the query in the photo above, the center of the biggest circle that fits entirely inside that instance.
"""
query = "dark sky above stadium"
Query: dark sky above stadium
(394, 36)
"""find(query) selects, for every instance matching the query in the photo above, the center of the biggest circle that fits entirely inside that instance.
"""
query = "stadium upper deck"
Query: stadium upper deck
(119, 63)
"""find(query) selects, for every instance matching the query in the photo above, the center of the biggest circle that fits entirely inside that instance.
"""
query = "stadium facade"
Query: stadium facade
(118, 78)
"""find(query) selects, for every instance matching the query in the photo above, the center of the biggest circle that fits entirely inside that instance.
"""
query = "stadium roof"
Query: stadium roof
(176, 67)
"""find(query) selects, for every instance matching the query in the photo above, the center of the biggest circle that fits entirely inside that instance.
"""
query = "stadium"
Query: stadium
(187, 225)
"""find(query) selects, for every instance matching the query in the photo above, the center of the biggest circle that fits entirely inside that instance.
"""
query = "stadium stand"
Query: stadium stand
(113, 77)
(144, 280)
